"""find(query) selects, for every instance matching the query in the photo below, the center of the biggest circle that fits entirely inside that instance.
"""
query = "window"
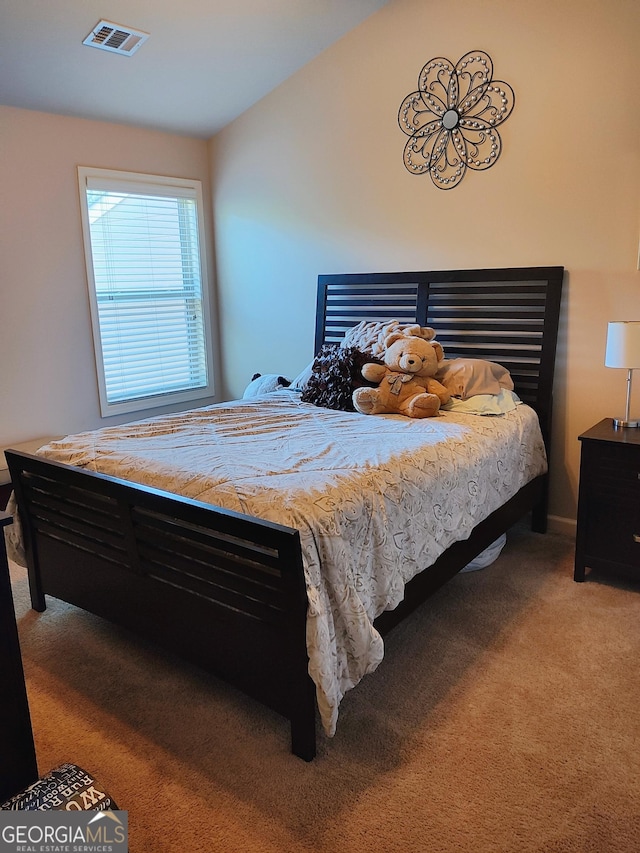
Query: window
(148, 289)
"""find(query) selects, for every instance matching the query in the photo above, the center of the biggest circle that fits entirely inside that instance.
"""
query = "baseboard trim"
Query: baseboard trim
(564, 526)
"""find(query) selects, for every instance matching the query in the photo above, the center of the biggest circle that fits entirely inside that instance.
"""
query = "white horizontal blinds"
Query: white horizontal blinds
(148, 289)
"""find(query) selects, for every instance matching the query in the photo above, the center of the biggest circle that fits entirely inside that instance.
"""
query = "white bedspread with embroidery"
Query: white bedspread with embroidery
(376, 498)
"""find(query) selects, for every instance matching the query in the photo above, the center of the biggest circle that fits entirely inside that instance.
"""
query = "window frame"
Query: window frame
(135, 182)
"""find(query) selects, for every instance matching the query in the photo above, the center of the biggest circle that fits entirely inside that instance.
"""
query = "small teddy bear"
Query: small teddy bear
(405, 381)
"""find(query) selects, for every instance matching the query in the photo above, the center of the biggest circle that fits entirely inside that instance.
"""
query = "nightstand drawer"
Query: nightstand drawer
(613, 476)
(613, 532)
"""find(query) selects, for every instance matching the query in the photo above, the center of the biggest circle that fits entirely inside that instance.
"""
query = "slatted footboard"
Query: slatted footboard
(217, 588)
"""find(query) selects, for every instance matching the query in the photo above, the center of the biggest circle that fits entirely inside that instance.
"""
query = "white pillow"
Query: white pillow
(468, 377)
(300, 382)
(484, 404)
(488, 556)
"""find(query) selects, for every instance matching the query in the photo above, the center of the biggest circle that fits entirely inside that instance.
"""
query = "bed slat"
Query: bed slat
(75, 517)
(506, 316)
(344, 301)
(227, 579)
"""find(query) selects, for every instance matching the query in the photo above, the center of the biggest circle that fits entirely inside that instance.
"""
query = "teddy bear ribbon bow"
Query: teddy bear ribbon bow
(397, 380)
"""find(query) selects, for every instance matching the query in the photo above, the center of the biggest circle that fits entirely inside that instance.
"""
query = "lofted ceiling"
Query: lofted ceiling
(204, 63)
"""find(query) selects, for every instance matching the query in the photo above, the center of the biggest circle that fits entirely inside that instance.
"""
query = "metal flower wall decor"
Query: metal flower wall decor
(451, 120)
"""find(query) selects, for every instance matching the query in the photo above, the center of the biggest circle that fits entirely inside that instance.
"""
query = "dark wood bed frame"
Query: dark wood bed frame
(226, 591)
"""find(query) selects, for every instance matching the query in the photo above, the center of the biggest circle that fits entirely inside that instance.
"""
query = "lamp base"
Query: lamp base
(623, 423)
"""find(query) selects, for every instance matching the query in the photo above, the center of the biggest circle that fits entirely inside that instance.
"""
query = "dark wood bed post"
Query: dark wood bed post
(36, 590)
(303, 720)
(540, 512)
(544, 405)
(302, 701)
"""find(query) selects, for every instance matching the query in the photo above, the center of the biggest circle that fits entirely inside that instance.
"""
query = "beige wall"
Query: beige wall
(311, 180)
(48, 380)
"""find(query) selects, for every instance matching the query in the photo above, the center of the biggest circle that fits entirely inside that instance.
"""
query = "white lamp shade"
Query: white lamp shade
(623, 344)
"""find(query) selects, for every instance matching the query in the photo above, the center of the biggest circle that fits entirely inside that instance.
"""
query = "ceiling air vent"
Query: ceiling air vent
(115, 38)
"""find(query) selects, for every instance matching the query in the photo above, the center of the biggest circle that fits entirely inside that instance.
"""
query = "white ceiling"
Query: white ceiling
(205, 62)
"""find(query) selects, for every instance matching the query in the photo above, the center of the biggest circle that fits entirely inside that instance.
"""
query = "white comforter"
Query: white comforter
(375, 498)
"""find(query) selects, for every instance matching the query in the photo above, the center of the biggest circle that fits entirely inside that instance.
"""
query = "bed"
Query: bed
(200, 561)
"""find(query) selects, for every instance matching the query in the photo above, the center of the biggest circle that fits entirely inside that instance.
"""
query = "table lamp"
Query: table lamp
(623, 350)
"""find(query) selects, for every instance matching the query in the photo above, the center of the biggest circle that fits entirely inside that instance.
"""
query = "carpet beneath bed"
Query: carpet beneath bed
(503, 718)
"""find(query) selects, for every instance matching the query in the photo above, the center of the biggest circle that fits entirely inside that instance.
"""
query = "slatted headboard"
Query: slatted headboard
(505, 315)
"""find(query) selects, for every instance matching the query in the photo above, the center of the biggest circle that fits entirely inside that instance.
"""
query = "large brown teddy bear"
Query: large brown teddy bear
(405, 381)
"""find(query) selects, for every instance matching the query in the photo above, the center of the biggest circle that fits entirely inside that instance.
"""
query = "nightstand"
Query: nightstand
(608, 535)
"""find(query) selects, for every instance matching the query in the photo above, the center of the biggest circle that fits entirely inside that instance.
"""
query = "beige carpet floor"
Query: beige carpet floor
(505, 718)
